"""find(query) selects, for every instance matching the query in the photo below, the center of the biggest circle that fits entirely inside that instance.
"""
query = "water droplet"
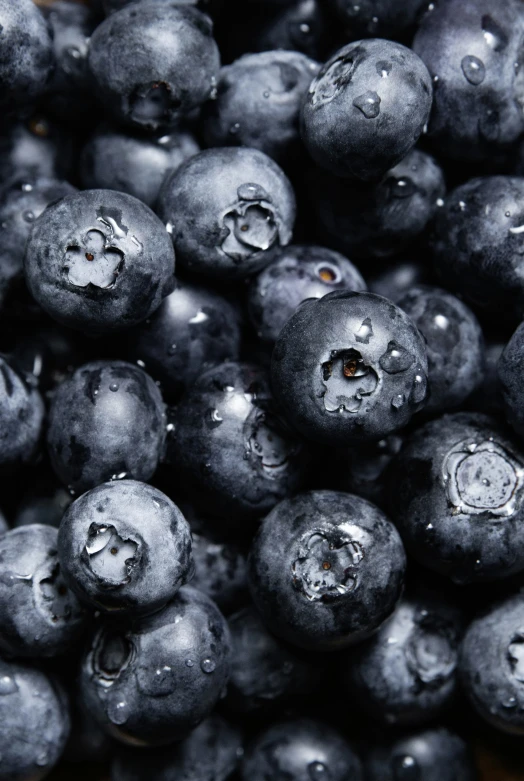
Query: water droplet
(208, 665)
(200, 317)
(266, 94)
(398, 401)
(494, 35)
(305, 28)
(435, 79)
(7, 685)
(141, 364)
(171, 350)
(26, 187)
(170, 227)
(440, 202)
(234, 129)
(368, 104)
(419, 389)
(189, 663)
(509, 703)
(213, 418)
(405, 768)
(42, 758)
(396, 359)
(402, 188)
(118, 712)
(383, 68)
(28, 216)
(462, 206)
(318, 771)
(473, 69)
(114, 387)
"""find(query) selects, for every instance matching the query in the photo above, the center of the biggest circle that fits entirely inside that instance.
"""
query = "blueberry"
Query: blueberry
(26, 60)
(224, 208)
(231, 452)
(220, 572)
(107, 421)
(152, 681)
(210, 753)
(153, 63)
(456, 496)
(477, 243)
(349, 367)
(21, 417)
(194, 328)
(300, 750)
(99, 261)
(509, 368)
(406, 674)
(491, 665)
(473, 53)
(258, 103)
(326, 569)
(35, 722)
(115, 160)
(425, 755)
(294, 274)
(265, 672)
(378, 17)
(39, 615)
(125, 547)
(377, 219)
(366, 109)
(454, 344)
(35, 149)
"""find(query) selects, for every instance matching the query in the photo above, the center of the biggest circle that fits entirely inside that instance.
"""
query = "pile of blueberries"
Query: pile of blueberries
(261, 388)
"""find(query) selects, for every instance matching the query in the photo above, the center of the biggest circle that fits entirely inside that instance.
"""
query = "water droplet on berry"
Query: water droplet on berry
(208, 665)
(473, 69)
(369, 104)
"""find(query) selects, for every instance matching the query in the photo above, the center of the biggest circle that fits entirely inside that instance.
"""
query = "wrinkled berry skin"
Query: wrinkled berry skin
(509, 368)
(326, 569)
(387, 18)
(265, 672)
(300, 750)
(35, 149)
(349, 367)
(377, 220)
(433, 755)
(473, 53)
(125, 547)
(405, 674)
(152, 681)
(491, 665)
(21, 417)
(35, 722)
(366, 109)
(224, 208)
(21, 203)
(294, 274)
(106, 421)
(455, 493)
(136, 165)
(39, 615)
(194, 328)
(230, 452)
(153, 63)
(454, 345)
(220, 572)
(479, 257)
(26, 61)
(258, 103)
(99, 261)
(209, 753)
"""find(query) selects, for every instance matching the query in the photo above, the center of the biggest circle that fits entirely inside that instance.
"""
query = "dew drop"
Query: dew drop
(7, 685)
(171, 350)
(369, 104)
(396, 359)
(114, 387)
(405, 768)
(42, 758)
(234, 129)
(266, 94)
(318, 771)
(118, 712)
(28, 216)
(473, 69)
(398, 401)
(208, 665)
(189, 663)
(509, 703)
(305, 28)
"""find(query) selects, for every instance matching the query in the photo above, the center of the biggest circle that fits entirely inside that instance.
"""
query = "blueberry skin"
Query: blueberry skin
(193, 329)
(454, 345)
(455, 493)
(22, 201)
(386, 18)
(473, 53)
(479, 257)
(231, 452)
(35, 722)
(490, 665)
(349, 367)
(209, 753)
(397, 278)
(21, 417)
(224, 208)
(37, 148)
(114, 160)
(154, 62)
(39, 615)
(131, 255)
(26, 60)
(148, 541)
(426, 755)
(265, 672)
(220, 572)
(366, 109)
(326, 569)
(152, 681)
(377, 220)
(106, 421)
(300, 750)
(258, 103)
(365, 468)
(294, 274)
(509, 369)
(405, 674)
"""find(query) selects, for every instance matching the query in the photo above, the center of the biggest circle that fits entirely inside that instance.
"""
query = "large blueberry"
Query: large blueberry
(326, 569)
(349, 367)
